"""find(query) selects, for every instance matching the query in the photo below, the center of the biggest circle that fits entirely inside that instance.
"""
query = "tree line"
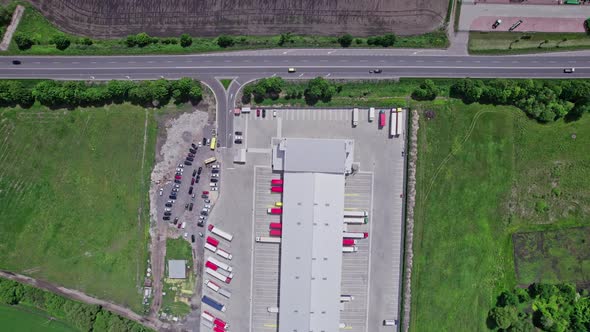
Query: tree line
(86, 317)
(545, 307)
(315, 90)
(56, 94)
(543, 100)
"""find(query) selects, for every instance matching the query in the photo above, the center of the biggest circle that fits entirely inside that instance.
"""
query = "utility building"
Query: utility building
(311, 245)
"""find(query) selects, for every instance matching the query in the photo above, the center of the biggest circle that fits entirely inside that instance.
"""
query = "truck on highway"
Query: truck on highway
(212, 241)
(213, 286)
(351, 235)
(382, 118)
(220, 264)
(371, 114)
(276, 225)
(218, 231)
(276, 182)
(224, 254)
(348, 242)
(214, 304)
(399, 122)
(265, 239)
(275, 232)
(355, 117)
(350, 249)
(276, 189)
(219, 276)
(356, 220)
(274, 211)
(355, 214)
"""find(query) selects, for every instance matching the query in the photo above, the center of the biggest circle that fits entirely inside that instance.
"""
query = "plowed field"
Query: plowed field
(116, 18)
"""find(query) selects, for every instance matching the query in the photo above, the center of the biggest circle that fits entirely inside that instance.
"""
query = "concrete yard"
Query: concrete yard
(371, 275)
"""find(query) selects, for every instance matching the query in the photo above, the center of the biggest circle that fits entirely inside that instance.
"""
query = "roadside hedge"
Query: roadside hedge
(83, 316)
(57, 94)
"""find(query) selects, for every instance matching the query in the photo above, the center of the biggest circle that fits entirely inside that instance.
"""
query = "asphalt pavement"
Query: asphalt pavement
(309, 63)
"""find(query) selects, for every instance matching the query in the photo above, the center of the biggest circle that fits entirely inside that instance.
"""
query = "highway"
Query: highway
(249, 65)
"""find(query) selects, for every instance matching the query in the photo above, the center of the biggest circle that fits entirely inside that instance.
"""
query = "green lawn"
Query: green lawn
(178, 292)
(481, 170)
(72, 187)
(26, 319)
(359, 93)
(521, 42)
(36, 26)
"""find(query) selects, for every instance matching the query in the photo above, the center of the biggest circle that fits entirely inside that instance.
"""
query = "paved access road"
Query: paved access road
(249, 65)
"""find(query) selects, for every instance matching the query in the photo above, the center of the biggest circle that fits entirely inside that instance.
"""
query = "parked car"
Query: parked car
(188, 163)
(177, 181)
(168, 204)
(186, 206)
(174, 190)
(238, 133)
(194, 146)
(194, 172)
(205, 192)
(192, 151)
(166, 218)
(214, 189)
(161, 191)
(201, 223)
(207, 201)
(167, 213)
(238, 141)
(175, 220)
(190, 158)
(190, 207)
(208, 206)
(214, 180)
(274, 113)
(204, 141)
(215, 171)
(193, 238)
(178, 177)
(215, 166)
(172, 196)
(200, 170)
(215, 175)
(264, 112)
(192, 181)
(204, 196)
(191, 155)
(204, 213)
(167, 209)
(258, 112)
(190, 190)
(179, 225)
(176, 186)
(181, 165)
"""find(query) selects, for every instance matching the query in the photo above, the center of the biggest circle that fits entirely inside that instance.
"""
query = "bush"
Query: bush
(186, 40)
(225, 41)
(426, 91)
(386, 40)
(85, 41)
(5, 15)
(61, 42)
(23, 41)
(345, 40)
(285, 38)
(319, 89)
(358, 41)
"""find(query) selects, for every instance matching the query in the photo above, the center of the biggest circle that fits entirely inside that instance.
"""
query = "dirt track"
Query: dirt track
(116, 18)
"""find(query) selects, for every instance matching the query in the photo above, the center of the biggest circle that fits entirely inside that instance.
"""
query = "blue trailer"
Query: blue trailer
(214, 304)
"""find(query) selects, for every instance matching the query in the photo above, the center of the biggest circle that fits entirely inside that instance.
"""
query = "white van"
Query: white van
(371, 114)
(389, 322)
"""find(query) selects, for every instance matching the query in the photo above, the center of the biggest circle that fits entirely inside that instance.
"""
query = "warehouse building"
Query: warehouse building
(311, 246)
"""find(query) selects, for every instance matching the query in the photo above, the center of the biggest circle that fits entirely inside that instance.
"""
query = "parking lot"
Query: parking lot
(372, 274)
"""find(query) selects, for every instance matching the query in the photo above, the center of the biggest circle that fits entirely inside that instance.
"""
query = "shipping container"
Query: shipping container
(211, 265)
(276, 225)
(265, 239)
(276, 189)
(348, 242)
(275, 232)
(274, 210)
(276, 182)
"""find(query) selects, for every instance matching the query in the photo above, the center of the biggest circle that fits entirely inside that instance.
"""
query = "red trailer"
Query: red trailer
(276, 182)
(220, 323)
(217, 328)
(348, 242)
(276, 189)
(276, 225)
(211, 266)
(274, 211)
(382, 119)
(275, 232)
(212, 241)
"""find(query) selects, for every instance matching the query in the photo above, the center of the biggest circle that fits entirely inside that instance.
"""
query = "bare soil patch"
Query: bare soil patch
(118, 18)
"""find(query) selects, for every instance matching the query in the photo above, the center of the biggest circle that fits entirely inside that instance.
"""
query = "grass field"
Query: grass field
(26, 319)
(178, 292)
(42, 31)
(370, 93)
(522, 42)
(553, 256)
(73, 183)
(481, 170)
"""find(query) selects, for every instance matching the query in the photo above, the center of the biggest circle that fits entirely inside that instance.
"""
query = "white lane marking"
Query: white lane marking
(76, 63)
(364, 61)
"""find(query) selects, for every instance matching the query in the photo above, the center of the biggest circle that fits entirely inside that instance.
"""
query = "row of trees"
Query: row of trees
(70, 94)
(85, 317)
(542, 100)
(317, 89)
(142, 39)
(548, 307)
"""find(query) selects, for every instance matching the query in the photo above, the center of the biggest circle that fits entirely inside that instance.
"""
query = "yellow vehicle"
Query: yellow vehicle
(210, 160)
(213, 143)
(279, 204)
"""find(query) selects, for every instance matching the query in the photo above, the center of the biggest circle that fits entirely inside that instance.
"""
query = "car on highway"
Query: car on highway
(16, 62)
(291, 70)
(569, 70)
(377, 71)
